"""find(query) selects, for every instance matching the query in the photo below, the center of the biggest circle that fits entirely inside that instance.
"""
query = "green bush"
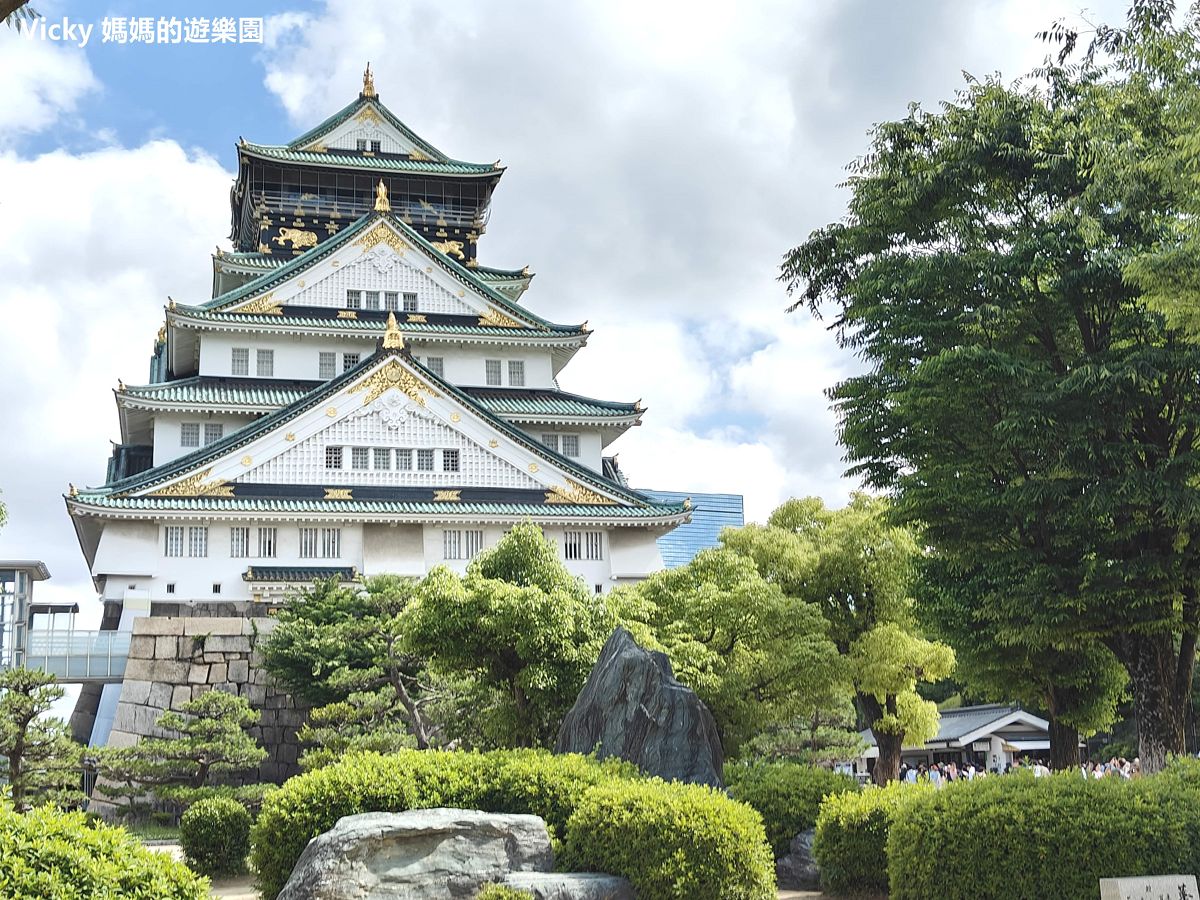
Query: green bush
(1042, 837)
(512, 781)
(787, 795)
(850, 846)
(215, 836)
(49, 854)
(500, 892)
(671, 840)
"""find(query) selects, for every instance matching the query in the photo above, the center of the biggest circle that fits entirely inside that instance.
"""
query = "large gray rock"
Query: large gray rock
(798, 870)
(631, 706)
(562, 886)
(422, 854)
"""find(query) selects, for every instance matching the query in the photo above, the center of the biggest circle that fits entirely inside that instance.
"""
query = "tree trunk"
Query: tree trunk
(1156, 672)
(887, 765)
(1064, 745)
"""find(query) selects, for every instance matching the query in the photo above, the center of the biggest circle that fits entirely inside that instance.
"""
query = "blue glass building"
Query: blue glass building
(710, 513)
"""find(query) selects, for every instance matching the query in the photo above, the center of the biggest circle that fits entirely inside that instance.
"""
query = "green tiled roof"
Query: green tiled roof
(252, 260)
(517, 402)
(298, 573)
(466, 276)
(384, 507)
(488, 273)
(372, 326)
(344, 160)
(351, 109)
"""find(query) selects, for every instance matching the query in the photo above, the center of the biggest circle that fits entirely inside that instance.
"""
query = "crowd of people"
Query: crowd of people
(939, 774)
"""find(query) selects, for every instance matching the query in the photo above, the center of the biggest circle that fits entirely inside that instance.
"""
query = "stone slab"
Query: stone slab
(570, 885)
(1150, 887)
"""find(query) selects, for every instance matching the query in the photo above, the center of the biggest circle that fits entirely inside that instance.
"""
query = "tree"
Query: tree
(42, 763)
(519, 628)
(857, 569)
(1021, 401)
(208, 740)
(756, 657)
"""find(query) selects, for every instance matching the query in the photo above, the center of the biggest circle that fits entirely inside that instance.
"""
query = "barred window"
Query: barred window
(391, 300)
(474, 542)
(360, 458)
(198, 540)
(189, 434)
(349, 361)
(333, 457)
(239, 542)
(331, 543)
(265, 363)
(491, 368)
(436, 365)
(173, 540)
(326, 365)
(404, 460)
(449, 460)
(360, 144)
(452, 544)
(551, 441)
(376, 146)
(372, 299)
(308, 543)
(353, 299)
(425, 460)
(570, 445)
(516, 372)
(268, 542)
(383, 458)
(213, 431)
(240, 362)
(573, 545)
(593, 545)
(410, 302)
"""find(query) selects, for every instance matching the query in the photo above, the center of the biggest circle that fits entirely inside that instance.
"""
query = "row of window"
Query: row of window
(387, 459)
(393, 301)
(190, 433)
(192, 540)
(264, 362)
(566, 444)
(363, 145)
(327, 365)
(493, 368)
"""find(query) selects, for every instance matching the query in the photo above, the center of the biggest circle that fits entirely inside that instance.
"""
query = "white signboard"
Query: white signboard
(1150, 887)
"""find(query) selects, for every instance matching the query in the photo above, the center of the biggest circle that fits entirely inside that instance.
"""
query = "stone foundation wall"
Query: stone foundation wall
(173, 659)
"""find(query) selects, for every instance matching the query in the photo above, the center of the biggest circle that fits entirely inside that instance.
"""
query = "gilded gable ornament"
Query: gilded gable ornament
(393, 376)
(265, 305)
(382, 204)
(368, 115)
(297, 237)
(577, 493)
(450, 248)
(368, 83)
(392, 337)
(498, 319)
(196, 485)
(382, 234)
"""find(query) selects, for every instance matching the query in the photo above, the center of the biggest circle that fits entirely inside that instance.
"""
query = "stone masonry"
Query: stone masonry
(173, 659)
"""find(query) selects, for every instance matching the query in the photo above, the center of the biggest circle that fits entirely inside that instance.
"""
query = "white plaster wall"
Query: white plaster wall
(633, 553)
(166, 431)
(393, 550)
(127, 549)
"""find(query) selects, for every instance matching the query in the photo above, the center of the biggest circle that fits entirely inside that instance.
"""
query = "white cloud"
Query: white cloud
(43, 82)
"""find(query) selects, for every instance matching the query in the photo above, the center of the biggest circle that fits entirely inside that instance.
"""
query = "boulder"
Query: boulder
(563, 886)
(798, 870)
(632, 707)
(422, 854)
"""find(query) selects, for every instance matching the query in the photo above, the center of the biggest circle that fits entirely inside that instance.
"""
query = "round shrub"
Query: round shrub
(518, 781)
(672, 841)
(46, 853)
(1039, 837)
(215, 836)
(787, 795)
(850, 846)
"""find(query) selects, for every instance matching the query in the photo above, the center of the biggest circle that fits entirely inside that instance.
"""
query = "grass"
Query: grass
(150, 831)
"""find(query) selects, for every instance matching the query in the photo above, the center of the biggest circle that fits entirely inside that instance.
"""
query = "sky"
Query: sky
(662, 156)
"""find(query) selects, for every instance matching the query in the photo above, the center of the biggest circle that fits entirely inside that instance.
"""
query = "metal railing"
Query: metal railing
(76, 656)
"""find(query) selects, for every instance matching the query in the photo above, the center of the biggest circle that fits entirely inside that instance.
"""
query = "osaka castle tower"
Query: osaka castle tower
(359, 396)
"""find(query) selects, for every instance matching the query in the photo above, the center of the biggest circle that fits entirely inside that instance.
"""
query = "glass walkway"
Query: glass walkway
(77, 657)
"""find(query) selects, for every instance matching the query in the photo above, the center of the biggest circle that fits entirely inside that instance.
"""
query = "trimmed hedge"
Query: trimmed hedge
(508, 781)
(787, 795)
(672, 840)
(67, 856)
(1042, 837)
(500, 892)
(850, 846)
(215, 836)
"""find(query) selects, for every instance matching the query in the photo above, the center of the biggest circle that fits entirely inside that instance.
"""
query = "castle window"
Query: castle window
(516, 372)
(173, 540)
(436, 365)
(326, 365)
(391, 300)
(551, 441)
(573, 545)
(189, 434)
(265, 363)
(376, 146)
(410, 302)
(586, 545)
(383, 459)
(349, 361)
(404, 460)
(268, 540)
(170, 587)
(331, 543)
(449, 460)
(333, 457)
(239, 542)
(372, 299)
(216, 588)
(425, 460)
(239, 363)
(570, 445)
(593, 545)
(213, 431)
(491, 368)
(452, 544)
(360, 145)
(353, 299)
(198, 540)
(359, 458)
(474, 542)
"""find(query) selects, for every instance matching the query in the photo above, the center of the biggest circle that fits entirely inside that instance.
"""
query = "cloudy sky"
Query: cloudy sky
(662, 156)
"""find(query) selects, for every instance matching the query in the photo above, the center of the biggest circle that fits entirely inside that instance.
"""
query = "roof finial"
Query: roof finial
(392, 338)
(382, 204)
(368, 83)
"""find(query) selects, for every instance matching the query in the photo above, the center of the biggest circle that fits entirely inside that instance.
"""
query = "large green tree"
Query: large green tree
(858, 569)
(40, 761)
(1022, 400)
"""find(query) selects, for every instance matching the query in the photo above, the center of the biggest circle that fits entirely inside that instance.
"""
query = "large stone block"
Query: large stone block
(210, 626)
(160, 695)
(135, 691)
(139, 670)
(239, 671)
(141, 646)
(570, 886)
(197, 674)
(427, 854)
(171, 671)
(180, 694)
(632, 707)
(217, 673)
(166, 647)
(157, 625)
(227, 644)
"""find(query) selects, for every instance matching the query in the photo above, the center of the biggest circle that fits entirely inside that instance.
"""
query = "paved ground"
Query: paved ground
(800, 895)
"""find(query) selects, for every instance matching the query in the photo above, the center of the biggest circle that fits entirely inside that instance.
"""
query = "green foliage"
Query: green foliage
(514, 781)
(215, 836)
(754, 655)
(39, 760)
(672, 841)
(850, 846)
(66, 856)
(500, 892)
(521, 627)
(1041, 837)
(822, 738)
(786, 795)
